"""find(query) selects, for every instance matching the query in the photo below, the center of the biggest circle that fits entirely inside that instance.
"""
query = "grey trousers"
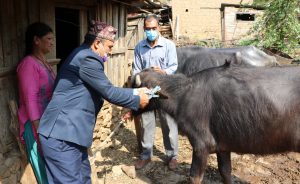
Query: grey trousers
(169, 131)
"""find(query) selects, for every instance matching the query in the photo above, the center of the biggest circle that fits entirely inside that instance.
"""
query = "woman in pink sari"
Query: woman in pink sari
(36, 81)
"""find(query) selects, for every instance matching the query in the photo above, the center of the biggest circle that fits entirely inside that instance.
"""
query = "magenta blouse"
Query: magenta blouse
(35, 83)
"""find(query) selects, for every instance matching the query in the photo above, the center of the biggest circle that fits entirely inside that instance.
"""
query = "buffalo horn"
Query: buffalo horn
(138, 81)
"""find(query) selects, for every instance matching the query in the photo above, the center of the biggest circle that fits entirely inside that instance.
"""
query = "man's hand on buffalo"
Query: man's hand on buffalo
(158, 69)
(144, 100)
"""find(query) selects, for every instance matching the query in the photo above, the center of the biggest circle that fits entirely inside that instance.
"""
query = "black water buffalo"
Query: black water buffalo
(231, 109)
(192, 59)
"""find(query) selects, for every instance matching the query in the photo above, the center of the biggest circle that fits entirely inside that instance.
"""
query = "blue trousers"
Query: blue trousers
(169, 131)
(66, 162)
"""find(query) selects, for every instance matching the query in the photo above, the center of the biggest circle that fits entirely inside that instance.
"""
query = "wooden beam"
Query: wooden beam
(54, 61)
(115, 20)
(83, 24)
(103, 10)
(47, 15)
(122, 30)
(115, 23)
(7, 71)
(33, 7)
(9, 36)
(21, 25)
(109, 13)
(127, 4)
(119, 51)
(133, 22)
(1, 36)
(110, 68)
(79, 3)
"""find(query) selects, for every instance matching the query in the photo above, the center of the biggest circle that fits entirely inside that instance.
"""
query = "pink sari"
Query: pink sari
(36, 83)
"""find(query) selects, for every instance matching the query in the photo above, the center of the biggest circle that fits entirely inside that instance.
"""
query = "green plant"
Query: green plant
(278, 28)
(211, 43)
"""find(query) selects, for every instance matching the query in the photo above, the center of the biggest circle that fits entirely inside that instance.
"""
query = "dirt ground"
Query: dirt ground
(121, 153)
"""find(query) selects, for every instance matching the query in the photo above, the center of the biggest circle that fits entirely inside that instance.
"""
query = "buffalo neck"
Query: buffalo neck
(174, 87)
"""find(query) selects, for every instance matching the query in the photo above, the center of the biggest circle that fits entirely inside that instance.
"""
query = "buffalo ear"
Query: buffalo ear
(162, 95)
(138, 81)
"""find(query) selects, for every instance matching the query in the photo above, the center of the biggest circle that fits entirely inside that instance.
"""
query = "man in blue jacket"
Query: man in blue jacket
(66, 127)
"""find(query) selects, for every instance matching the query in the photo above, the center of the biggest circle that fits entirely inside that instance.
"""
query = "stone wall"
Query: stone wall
(200, 19)
(236, 29)
(107, 120)
(10, 156)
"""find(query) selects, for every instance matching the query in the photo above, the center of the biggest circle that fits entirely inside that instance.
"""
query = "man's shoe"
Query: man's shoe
(172, 164)
(140, 164)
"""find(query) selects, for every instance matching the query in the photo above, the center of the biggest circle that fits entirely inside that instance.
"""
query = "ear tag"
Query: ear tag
(152, 93)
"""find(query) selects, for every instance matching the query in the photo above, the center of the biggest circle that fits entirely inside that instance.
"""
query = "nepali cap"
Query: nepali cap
(102, 30)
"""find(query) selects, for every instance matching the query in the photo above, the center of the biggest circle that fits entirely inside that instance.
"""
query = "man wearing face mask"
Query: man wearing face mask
(159, 53)
(66, 127)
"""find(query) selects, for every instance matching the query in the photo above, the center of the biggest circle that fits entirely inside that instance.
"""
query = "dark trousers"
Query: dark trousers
(66, 162)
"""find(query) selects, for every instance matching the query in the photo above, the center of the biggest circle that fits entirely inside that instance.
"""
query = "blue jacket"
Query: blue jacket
(80, 88)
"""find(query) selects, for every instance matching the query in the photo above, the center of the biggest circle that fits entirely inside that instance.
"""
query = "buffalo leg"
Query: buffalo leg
(198, 166)
(224, 166)
(137, 124)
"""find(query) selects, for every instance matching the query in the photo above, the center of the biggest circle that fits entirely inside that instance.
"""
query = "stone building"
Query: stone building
(225, 20)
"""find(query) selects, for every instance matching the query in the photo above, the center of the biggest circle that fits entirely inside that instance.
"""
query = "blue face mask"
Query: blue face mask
(151, 34)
